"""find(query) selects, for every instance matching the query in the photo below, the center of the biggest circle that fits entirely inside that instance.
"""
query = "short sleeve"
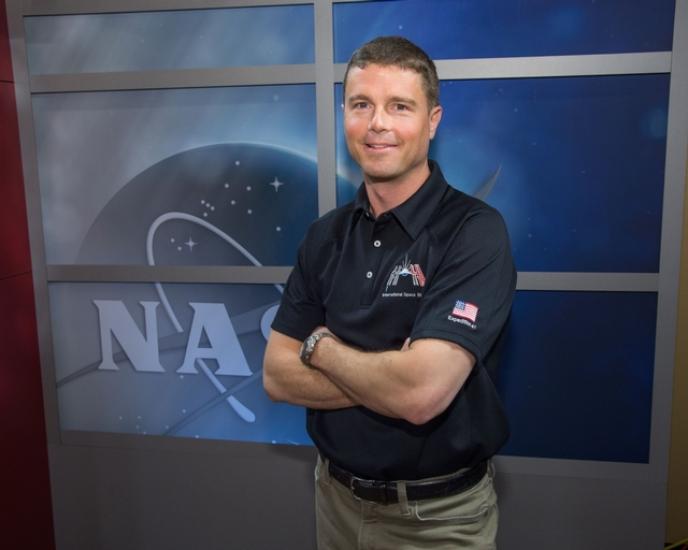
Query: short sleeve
(301, 309)
(468, 298)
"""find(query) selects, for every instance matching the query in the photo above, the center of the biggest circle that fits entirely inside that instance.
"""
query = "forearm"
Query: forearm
(376, 380)
(415, 383)
(286, 379)
(358, 374)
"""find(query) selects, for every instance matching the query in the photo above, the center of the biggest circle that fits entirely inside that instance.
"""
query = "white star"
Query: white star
(190, 243)
(276, 184)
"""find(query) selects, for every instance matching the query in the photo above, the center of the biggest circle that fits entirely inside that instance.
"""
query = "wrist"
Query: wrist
(321, 351)
(310, 345)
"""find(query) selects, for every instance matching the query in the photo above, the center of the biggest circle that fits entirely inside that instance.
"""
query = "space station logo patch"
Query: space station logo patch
(405, 271)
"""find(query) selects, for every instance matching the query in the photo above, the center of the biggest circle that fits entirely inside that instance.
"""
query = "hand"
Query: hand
(321, 333)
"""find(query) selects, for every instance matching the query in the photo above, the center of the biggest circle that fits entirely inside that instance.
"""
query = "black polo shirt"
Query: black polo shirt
(437, 266)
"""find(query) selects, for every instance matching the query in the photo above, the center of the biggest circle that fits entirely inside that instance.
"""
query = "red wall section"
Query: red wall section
(5, 64)
(14, 240)
(26, 509)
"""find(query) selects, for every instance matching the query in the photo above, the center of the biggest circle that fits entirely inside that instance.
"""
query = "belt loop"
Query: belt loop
(403, 499)
(324, 469)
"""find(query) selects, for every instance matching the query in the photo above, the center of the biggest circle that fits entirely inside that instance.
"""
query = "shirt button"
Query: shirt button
(369, 275)
(377, 244)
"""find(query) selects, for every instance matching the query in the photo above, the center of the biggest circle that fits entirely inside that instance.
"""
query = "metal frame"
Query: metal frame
(81, 7)
(78, 7)
(670, 248)
(184, 78)
(324, 106)
(167, 274)
(34, 216)
(324, 74)
(590, 282)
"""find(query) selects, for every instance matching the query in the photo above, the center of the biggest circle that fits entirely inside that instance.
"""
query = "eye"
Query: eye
(400, 107)
(359, 105)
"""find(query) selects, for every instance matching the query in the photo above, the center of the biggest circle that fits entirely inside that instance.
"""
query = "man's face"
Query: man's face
(388, 123)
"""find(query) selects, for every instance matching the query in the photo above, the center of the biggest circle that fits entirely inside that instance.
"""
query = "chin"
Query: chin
(381, 178)
(379, 173)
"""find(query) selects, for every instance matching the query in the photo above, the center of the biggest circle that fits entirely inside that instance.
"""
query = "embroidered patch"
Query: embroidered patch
(465, 310)
(464, 313)
(402, 271)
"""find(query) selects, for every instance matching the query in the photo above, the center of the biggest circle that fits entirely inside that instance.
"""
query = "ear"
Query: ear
(435, 117)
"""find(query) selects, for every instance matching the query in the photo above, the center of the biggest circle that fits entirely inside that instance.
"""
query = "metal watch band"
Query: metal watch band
(308, 346)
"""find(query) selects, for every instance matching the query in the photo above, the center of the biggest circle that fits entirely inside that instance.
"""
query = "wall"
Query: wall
(134, 492)
(677, 509)
(27, 519)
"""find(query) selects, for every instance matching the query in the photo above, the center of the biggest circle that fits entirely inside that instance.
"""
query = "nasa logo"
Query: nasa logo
(164, 358)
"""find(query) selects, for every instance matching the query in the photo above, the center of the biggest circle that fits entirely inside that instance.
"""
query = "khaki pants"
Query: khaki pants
(463, 520)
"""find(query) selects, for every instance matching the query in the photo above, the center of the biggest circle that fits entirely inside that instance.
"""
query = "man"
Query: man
(389, 329)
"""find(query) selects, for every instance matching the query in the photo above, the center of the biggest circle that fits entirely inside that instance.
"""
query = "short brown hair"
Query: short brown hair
(400, 52)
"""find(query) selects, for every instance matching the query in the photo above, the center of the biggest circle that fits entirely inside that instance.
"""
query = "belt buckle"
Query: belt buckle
(381, 489)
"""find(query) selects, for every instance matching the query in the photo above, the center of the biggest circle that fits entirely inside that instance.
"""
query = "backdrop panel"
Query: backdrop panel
(234, 164)
(502, 28)
(170, 39)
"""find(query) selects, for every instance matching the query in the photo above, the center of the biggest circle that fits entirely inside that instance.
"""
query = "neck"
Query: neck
(386, 195)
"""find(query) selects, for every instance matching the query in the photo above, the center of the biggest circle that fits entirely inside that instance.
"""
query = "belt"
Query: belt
(385, 492)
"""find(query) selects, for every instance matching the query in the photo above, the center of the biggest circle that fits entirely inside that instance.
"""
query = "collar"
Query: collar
(414, 213)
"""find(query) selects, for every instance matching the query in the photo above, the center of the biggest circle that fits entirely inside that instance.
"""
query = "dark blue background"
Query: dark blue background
(449, 29)
(576, 375)
(580, 161)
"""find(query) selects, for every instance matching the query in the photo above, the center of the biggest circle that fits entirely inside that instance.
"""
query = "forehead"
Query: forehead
(384, 80)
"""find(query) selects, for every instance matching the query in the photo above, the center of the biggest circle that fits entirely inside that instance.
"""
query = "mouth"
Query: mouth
(379, 146)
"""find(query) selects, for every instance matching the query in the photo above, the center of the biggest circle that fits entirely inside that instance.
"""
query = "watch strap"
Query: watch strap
(308, 346)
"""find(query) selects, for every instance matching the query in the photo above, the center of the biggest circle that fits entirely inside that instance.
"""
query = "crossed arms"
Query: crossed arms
(415, 383)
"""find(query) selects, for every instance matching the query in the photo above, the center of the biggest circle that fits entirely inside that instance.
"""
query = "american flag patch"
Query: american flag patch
(465, 310)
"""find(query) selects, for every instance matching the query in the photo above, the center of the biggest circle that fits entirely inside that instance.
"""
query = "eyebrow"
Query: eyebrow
(394, 99)
(357, 97)
(399, 99)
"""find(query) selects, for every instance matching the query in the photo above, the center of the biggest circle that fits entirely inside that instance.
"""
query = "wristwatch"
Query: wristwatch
(308, 346)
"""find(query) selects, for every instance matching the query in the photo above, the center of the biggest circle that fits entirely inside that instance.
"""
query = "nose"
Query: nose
(378, 121)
